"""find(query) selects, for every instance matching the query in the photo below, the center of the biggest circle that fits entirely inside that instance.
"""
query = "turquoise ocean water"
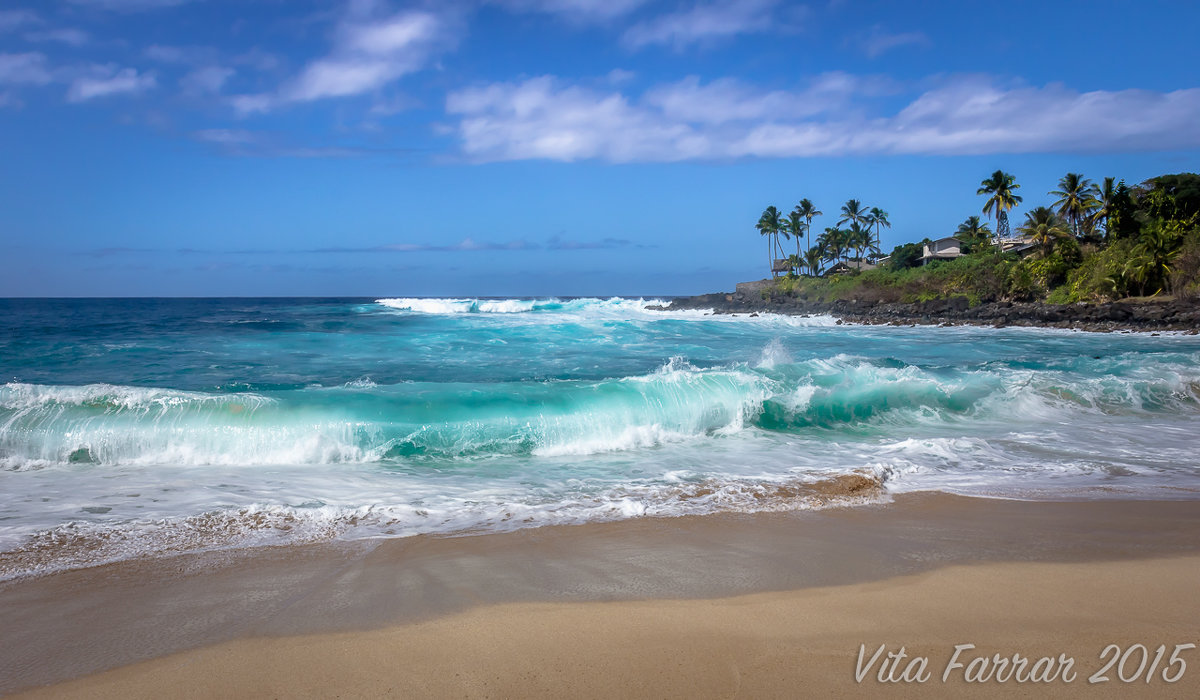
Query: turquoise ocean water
(145, 427)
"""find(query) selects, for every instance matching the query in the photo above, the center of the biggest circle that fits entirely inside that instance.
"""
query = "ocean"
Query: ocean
(149, 427)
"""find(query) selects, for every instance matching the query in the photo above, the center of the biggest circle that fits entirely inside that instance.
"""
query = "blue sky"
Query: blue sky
(504, 147)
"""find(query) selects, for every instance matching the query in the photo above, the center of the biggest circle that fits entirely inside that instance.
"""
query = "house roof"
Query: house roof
(862, 265)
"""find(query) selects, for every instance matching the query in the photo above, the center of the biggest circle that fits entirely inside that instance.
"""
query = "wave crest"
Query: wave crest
(109, 425)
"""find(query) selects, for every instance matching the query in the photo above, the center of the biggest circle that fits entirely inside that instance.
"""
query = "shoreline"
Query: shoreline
(74, 624)
(1141, 316)
(815, 642)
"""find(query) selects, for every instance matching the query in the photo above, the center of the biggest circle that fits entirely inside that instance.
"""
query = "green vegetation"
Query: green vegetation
(1092, 243)
(1001, 199)
(860, 236)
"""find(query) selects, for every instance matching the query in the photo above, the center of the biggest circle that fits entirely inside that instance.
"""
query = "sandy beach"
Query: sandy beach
(562, 349)
(770, 605)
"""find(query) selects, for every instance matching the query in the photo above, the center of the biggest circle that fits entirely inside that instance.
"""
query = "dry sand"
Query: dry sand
(791, 644)
(928, 573)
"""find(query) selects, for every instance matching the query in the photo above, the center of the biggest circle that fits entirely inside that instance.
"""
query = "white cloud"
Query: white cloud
(342, 77)
(209, 69)
(576, 11)
(542, 118)
(261, 144)
(12, 19)
(877, 41)
(104, 81)
(206, 81)
(729, 100)
(706, 22)
(175, 54)
(252, 104)
(225, 137)
(368, 54)
(24, 69)
(258, 60)
(66, 35)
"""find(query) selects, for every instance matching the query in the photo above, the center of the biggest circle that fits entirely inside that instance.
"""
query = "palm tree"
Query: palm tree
(833, 243)
(783, 231)
(1000, 187)
(853, 212)
(768, 225)
(1044, 227)
(859, 238)
(973, 232)
(1106, 203)
(795, 227)
(1151, 260)
(878, 218)
(1076, 200)
(973, 228)
(813, 258)
(809, 211)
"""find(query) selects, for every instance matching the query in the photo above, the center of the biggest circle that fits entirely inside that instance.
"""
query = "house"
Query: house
(843, 266)
(1022, 246)
(942, 249)
(783, 266)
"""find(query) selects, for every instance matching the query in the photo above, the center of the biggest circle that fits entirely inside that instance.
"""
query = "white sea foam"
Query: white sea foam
(42, 426)
(101, 471)
(460, 306)
(429, 306)
(82, 542)
(19, 396)
(583, 309)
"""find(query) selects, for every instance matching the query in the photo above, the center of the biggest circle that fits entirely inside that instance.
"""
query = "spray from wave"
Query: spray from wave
(363, 423)
(581, 309)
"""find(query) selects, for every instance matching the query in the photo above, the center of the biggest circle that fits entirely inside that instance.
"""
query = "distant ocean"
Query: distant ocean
(144, 427)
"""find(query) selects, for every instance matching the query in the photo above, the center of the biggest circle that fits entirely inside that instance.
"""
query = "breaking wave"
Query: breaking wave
(582, 309)
(243, 423)
(427, 305)
(362, 423)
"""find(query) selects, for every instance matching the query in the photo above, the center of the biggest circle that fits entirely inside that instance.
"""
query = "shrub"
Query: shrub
(906, 256)
(1101, 276)
(1185, 274)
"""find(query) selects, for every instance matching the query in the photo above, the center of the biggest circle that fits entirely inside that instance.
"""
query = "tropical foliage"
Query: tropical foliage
(1077, 202)
(769, 226)
(1044, 228)
(1090, 242)
(974, 234)
(1002, 198)
(857, 231)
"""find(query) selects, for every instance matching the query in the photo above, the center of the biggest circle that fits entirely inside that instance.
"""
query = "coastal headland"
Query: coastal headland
(1123, 315)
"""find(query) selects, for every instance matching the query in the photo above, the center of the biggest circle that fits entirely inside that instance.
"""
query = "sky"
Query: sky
(544, 147)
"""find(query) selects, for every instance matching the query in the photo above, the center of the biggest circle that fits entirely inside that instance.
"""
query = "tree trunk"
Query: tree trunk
(808, 236)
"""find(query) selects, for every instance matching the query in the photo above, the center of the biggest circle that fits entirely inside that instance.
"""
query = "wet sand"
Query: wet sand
(762, 605)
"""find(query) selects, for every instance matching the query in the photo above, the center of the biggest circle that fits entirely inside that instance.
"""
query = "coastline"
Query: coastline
(762, 597)
(801, 643)
(1149, 316)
